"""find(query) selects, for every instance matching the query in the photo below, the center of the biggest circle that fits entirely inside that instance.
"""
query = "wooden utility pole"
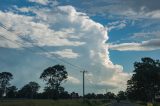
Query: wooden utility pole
(83, 72)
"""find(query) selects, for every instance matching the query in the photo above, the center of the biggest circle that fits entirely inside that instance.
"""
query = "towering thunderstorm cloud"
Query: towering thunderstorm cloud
(68, 34)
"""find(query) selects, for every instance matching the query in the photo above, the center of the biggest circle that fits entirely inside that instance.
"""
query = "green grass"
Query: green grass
(51, 103)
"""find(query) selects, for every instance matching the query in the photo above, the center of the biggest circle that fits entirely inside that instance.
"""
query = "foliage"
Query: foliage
(121, 95)
(5, 77)
(29, 90)
(54, 76)
(145, 82)
(11, 92)
(108, 95)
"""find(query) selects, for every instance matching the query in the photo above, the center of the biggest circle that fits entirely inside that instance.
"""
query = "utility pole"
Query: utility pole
(83, 72)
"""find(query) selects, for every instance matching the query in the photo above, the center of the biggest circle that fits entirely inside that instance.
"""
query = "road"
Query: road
(123, 103)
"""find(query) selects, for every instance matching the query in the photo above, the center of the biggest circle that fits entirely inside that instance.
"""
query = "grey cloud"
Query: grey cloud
(128, 8)
(149, 45)
(146, 35)
(155, 43)
(138, 4)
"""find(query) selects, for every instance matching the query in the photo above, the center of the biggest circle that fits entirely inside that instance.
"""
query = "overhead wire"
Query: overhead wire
(42, 49)
(92, 85)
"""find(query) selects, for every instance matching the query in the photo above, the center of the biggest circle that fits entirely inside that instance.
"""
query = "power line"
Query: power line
(42, 49)
(20, 44)
(92, 85)
(46, 51)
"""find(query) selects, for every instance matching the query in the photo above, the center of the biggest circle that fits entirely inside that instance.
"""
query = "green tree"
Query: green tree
(54, 76)
(11, 92)
(29, 90)
(5, 78)
(121, 95)
(110, 95)
(145, 82)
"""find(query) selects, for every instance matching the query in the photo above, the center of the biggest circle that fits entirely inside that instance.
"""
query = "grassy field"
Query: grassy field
(51, 103)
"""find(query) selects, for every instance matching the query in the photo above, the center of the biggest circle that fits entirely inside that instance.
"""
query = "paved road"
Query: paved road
(123, 103)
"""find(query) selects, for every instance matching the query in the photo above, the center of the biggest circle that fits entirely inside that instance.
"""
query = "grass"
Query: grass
(51, 103)
(145, 104)
(156, 104)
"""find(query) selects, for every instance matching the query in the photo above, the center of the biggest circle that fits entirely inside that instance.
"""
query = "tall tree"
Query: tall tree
(34, 88)
(5, 78)
(145, 82)
(54, 76)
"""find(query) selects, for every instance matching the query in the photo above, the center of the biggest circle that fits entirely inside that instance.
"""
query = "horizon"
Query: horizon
(102, 37)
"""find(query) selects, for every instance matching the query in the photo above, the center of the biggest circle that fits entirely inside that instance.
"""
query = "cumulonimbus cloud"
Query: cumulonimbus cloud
(67, 29)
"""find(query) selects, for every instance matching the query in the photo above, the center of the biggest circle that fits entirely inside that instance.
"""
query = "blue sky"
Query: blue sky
(104, 37)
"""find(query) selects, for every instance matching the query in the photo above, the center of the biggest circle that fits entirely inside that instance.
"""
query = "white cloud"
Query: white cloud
(154, 14)
(66, 53)
(39, 33)
(44, 2)
(73, 80)
(148, 45)
(64, 27)
(116, 25)
(119, 79)
(23, 9)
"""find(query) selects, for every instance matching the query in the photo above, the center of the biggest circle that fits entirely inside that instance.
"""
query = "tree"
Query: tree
(74, 95)
(90, 96)
(121, 95)
(11, 92)
(29, 90)
(100, 96)
(110, 95)
(34, 88)
(5, 78)
(65, 95)
(54, 76)
(145, 82)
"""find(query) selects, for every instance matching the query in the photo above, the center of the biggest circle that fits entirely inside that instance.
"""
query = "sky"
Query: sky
(104, 37)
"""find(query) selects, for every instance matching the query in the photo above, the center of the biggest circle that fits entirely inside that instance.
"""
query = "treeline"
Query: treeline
(144, 85)
(53, 76)
(26, 92)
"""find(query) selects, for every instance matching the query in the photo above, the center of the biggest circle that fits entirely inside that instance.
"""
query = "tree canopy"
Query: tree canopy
(5, 77)
(145, 82)
(54, 76)
(29, 90)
